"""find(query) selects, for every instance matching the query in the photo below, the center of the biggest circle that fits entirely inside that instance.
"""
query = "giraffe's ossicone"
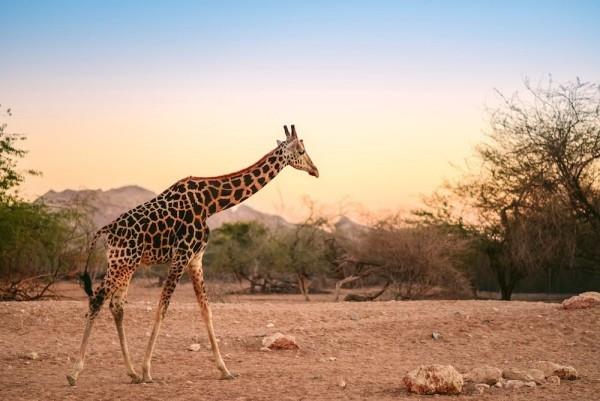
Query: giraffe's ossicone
(171, 228)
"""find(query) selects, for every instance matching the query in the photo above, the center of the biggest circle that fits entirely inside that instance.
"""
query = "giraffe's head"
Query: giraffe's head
(295, 152)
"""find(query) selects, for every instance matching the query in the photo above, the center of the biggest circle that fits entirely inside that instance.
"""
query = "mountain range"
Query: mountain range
(107, 205)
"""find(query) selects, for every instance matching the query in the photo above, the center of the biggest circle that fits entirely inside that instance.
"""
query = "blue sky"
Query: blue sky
(387, 94)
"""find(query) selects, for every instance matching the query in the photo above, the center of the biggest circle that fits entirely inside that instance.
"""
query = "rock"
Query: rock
(265, 349)
(526, 375)
(280, 341)
(485, 374)
(269, 325)
(194, 347)
(511, 384)
(435, 335)
(553, 380)
(582, 301)
(33, 356)
(538, 376)
(434, 379)
(342, 382)
(554, 369)
(480, 388)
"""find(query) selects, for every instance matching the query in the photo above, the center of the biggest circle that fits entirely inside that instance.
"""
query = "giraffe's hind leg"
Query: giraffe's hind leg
(196, 274)
(96, 302)
(175, 272)
(116, 307)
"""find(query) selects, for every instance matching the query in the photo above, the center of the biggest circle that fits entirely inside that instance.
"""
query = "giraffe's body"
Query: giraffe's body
(171, 228)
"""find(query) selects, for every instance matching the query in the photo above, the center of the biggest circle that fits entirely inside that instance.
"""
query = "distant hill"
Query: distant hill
(108, 205)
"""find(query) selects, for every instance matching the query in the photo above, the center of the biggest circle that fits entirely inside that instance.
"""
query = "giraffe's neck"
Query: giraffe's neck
(222, 192)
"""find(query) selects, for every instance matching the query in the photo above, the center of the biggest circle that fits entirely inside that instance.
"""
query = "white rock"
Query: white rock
(434, 379)
(269, 325)
(33, 356)
(280, 341)
(435, 335)
(480, 388)
(510, 384)
(484, 374)
(526, 375)
(554, 369)
(582, 301)
(194, 347)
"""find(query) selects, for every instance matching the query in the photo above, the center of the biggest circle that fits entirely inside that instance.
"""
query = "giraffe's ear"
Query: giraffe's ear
(279, 142)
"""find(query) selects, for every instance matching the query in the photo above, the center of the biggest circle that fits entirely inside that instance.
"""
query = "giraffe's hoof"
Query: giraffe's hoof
(147, 379)
(135, 379)
(72, 380)
(229, 376)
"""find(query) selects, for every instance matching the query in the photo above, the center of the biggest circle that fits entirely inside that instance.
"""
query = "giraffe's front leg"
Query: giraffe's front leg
(196, 274)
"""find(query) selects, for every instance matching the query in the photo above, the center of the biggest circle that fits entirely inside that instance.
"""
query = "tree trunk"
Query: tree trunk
(339, 284)
(507, 281)
(303, 287)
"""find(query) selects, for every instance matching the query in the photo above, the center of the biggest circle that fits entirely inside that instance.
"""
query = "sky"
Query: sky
(388, 96)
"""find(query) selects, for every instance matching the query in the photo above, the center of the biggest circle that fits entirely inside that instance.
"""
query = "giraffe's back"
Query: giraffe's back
(153, 230)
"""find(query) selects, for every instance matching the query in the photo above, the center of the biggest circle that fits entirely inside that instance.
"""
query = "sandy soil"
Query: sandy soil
(370, 345)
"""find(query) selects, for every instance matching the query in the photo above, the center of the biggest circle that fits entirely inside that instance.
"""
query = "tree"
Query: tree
(305, 246)
(414, 259)
(535, 186)
(237, 248)
(10, 153)
(37, 245)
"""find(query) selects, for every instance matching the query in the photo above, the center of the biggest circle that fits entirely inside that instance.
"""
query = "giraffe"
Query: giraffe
(171, 228)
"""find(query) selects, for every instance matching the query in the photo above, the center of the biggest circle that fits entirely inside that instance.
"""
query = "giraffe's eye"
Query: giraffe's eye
(301, 152)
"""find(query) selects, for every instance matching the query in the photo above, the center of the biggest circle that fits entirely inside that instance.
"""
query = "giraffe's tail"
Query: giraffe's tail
(85, 277)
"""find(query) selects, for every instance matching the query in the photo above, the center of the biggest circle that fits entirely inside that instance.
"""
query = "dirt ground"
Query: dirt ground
(368, 345)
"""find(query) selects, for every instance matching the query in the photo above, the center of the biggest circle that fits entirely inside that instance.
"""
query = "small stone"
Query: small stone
(33, 356)
(511, 384)
(194, 347)
(582, 301)
(518, 374)
(480, 388)
(189, 382)
(434, 379)
(265, 349)
(554, 380)
(435, 335)
(332, 358)
(342, 383)
(484, 374)
(554, 369)
(354, 316)
(269, 325)
(148, 308)
(537, 375)
(280, 341)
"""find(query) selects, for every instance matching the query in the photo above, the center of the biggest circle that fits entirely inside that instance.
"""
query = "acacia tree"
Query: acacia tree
(536, 183)
(10, 153)
(37, 245)
(305, 247)
(238, 248)
(413, 259)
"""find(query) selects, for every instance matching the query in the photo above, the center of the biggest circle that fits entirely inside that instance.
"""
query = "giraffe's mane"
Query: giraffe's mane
(239, 172)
